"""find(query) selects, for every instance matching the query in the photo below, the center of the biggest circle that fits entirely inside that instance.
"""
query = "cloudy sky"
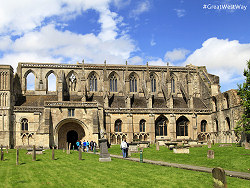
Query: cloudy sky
(156, 31)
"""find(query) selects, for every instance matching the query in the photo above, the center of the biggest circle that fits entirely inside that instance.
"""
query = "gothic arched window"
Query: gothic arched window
(203, 125)
(133, 84)
(142, 125)
(173, 85)
(93, 83)
(153, 83)
(161, 126)
(113, 83)
(24, 124)
(182, 126)
(30, 81)
(118, 125)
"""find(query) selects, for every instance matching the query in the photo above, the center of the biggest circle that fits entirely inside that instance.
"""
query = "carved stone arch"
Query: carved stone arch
(134, 82)
(29, 71)
(182, 126)
(174, 81)
(92, 85)
(47, 76)
(72, 83)
(25, 78)
(226, 101)
(114, 81)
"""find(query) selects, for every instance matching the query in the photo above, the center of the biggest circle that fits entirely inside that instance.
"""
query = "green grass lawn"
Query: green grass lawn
(68, 171)
(229, 158)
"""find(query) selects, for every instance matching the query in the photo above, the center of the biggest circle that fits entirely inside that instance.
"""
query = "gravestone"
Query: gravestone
(80, 154)
(210, 154)
(209, 144)
(157, 146)
(2, 155)
(17, 156)
(34, 153)
(63, 150)
(181, 150)
(7, 149)
(133, 147)
(104, 154)
(219, 178)
(247, 145)
(225, 145)
(69, 148)
(213, 142)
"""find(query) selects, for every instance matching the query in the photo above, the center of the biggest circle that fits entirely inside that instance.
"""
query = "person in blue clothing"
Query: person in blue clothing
(87, 145)
(77, 144)
(84, 145)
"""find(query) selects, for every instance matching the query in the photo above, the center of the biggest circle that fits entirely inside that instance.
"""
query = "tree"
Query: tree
(243, 127)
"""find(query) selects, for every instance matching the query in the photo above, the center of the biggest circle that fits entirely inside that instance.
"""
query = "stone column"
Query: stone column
(193, 127)
(172, 124)
(108, 126)
(151, 128)
(129, 129)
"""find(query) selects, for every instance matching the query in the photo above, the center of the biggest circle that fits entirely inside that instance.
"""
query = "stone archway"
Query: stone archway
(70, 132)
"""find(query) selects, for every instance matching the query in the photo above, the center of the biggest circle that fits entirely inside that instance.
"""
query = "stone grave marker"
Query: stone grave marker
(219, 178)
(7, 149)
(157, 146)
(63, 150)
(209, 144)
(247, 145)
(213, 142)
(34, 153)
(17, 156)
(104, 154)
(69, 148)
(80, 154)
(225, 145)
(210, 154)
(2, 155)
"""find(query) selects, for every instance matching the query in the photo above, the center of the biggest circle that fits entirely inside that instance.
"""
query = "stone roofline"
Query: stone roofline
(191, 68)
(6, 67)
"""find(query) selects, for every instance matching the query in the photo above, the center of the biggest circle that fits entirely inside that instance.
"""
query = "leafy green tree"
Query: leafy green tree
(243, 127)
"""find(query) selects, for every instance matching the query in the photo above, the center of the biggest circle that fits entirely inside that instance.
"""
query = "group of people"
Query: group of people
(86, 145)
(124, 147)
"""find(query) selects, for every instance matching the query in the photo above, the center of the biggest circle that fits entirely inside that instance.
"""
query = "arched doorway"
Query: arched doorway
(70, 132)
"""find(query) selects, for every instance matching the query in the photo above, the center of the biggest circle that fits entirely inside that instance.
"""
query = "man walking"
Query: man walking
(124, 147)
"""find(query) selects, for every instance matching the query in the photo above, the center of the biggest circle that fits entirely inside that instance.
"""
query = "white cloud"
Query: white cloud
(37, 40)
(224, 58)
(51, 45)
(176, 55)
(157, 62)
(180, 12)
(136, 60)
(142, 6)
(152, 42)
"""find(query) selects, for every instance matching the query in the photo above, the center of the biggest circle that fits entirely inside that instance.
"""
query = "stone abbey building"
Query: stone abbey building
(136, 102)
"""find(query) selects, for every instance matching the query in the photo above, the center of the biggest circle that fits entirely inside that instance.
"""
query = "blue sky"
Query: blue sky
(156, 31)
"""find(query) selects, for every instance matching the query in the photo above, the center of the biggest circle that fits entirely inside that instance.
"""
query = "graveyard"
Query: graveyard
(67, 170)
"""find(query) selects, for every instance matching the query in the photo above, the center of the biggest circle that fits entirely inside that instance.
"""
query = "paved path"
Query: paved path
(242, 175)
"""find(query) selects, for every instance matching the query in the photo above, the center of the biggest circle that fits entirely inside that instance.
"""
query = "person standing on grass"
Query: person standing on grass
(94, 145)
(124, 147)
(87, 145)
(91, 145)
(77, 144)
(84, 145)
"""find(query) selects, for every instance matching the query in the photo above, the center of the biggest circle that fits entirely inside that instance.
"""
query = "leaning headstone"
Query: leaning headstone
(219, 178)
(53, 153)
(17, 156)
(210, 154)
(247, 145)
(80, 154)
(157, 146)
(209, 144)
(34, 153)
(104, 154)
(2, 155)
(7, 149)
(67, 147)
(68, 152)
